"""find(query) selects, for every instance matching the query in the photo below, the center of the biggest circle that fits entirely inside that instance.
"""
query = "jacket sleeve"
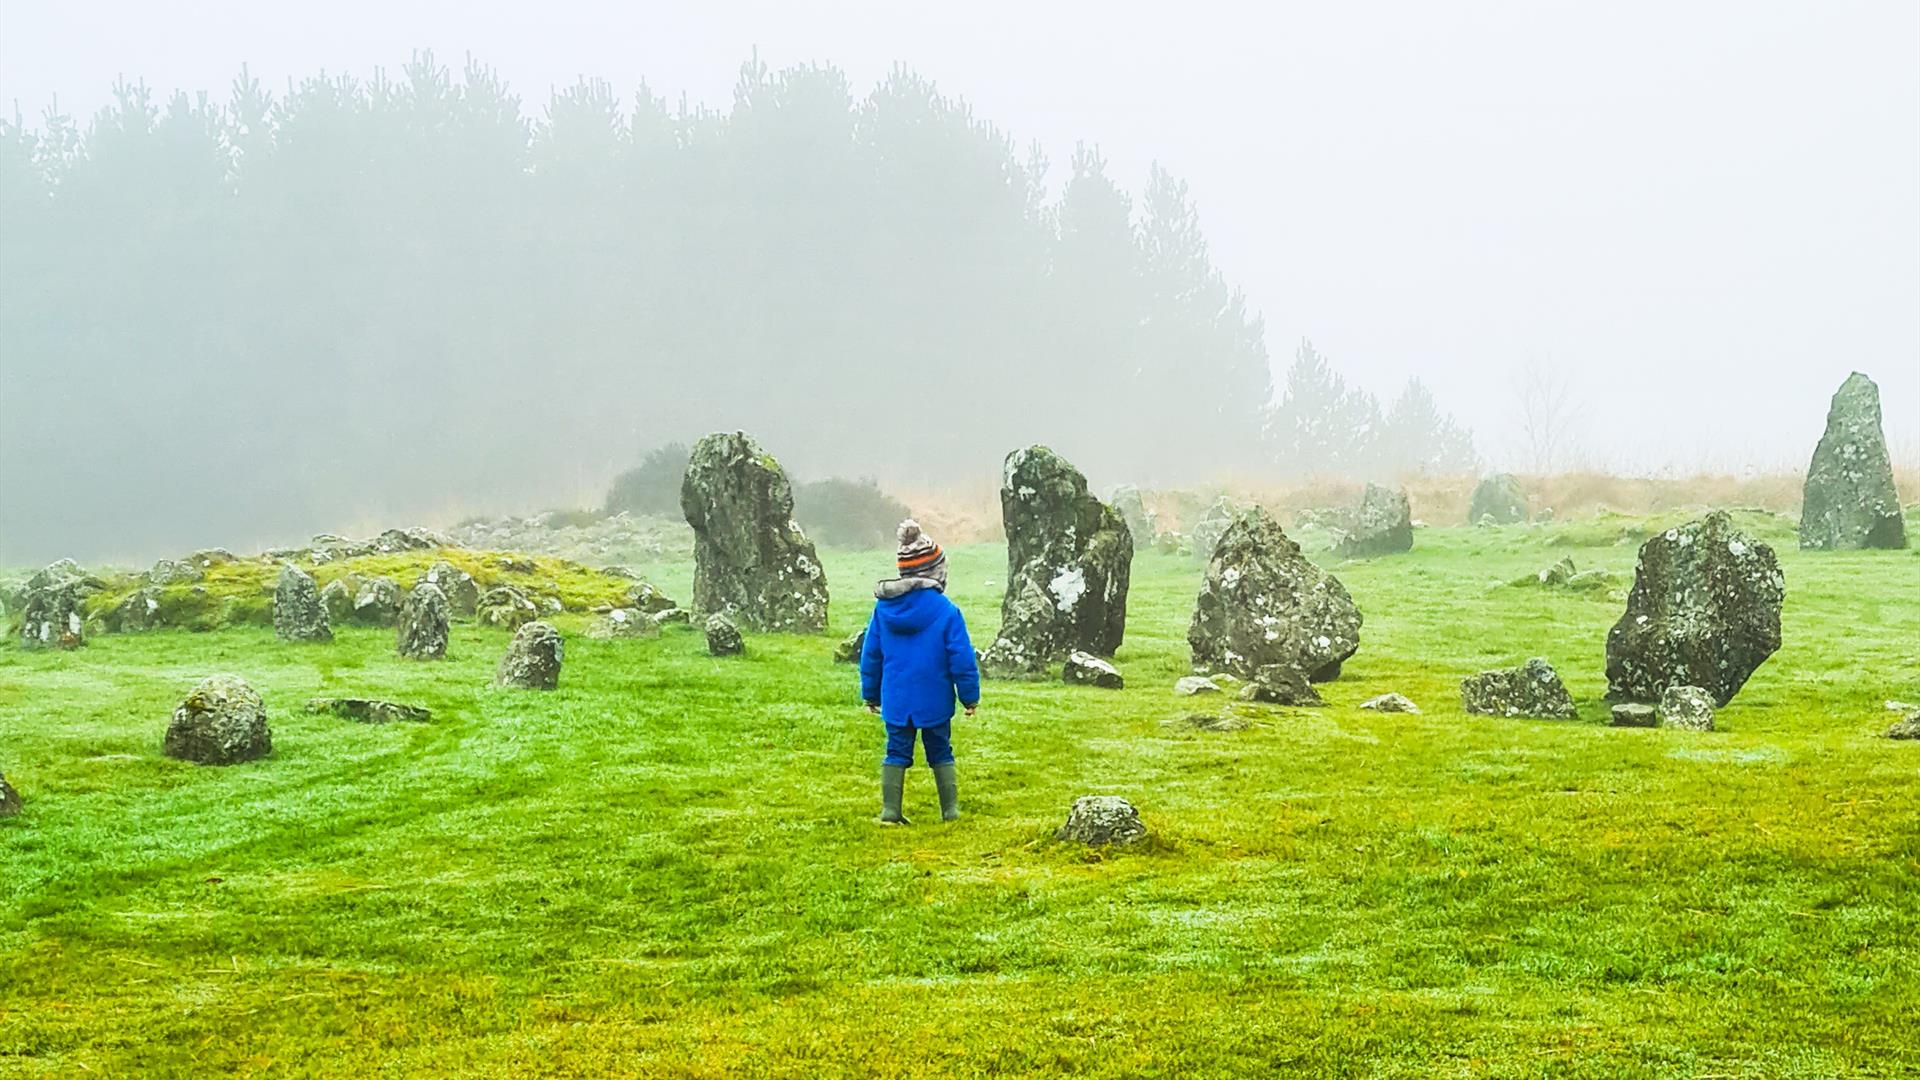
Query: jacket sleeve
(870, 657)
(962, 665)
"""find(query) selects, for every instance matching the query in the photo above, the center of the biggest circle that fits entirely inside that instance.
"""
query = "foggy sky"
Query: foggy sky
(1705, 214)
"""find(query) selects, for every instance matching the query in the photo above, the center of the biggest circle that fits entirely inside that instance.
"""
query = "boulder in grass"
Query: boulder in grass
(1086, 669)
(1102, 821)
(1263, 604)
(507, 607)
(623, 623)
(1688, 708)
(298, 613)
(673, 616)
(648, 600)
(1850, 501)
(723, 637)
(9, 799)
(222, 722)
(1195, 685)
(1498, 500)
(1278, 684)
(1381, 525)
(462, 592)
(378, 602)
(1211, 722)
(422, 633)
(337, 598)
(848, 651)
(1390, 703)
(1634, 714)
(533, 658)
(1533, 689)
(1908, 726)
(369, 710)
(52, 606)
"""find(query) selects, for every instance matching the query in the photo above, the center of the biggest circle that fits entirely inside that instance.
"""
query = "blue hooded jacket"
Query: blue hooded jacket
(918, 659)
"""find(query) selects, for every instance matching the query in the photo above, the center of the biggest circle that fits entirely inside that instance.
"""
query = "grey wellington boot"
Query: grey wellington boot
(949, 785)
(893, 784)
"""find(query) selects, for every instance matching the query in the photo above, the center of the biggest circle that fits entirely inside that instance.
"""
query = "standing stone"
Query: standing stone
(337, 597)
(751, 562)
(1532, 689)
(1849, 501)
(298, 614)
(1069, 557)
(1262, 605)
(1634, 714)
(463, 593)
(533, 658)
(52, 610)
(378, 602)
(1704, 611)
(1086, 669)
(1686, 707)
(222, 722)
(1213, 524)
(506, 606)
(140, 610)
(423, 624)
(848, 651)
(723, 637)
(1498, 500)
(1100, 820)
(1133, 510)
(9, 799)
(1381, 525)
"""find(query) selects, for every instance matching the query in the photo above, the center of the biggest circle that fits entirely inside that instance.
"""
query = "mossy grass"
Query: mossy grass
(668, 867)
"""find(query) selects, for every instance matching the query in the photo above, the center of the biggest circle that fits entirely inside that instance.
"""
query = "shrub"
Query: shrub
(654, 487)
(848, 513)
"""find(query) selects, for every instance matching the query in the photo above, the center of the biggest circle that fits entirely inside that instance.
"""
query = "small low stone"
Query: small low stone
(672, 617)
(1688, 708)
(1212, 722)
(723, 637)
(1907, 727)
(1103, 820)
(1278, 685)
(505, 606)
(369, 710)
(9, 799)
(1195, 685)
(222, 722)
(1086, 669)
(623, 623)
(848, 651)
(1634, 714)
(1393, 703)
(1533, 689)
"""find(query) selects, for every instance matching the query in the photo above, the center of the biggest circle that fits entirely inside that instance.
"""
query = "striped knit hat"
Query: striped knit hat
(918, 555)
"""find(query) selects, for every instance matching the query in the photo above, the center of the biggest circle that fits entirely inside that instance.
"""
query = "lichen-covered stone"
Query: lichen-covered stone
(1069, 560)
(1102, 820)
(337, 598)
(222, 722)
(1211, 722)
(138, 610)
(1559, 573)
(505, 606)
(623, 622)
(1704, 611)
(298, 613)
(752, 562)
(673, 616)
(1279, 684)
(1390, 703)
(1195, 685)
(1206, 533)
(52, 606)
(369, 710)
(423, 624)
(1497, 500)
(1381, 525)
(172, 572)
(1907, 727)
(1126, 502)
(848, 651)
(1532, 689)
(463, 593)
(1849, 501)
(1634, 714)
(1688, 708)
(533, 658)
(377, 603)
(10, 804)
(1086, 669)
(647, 599)
(723, 637)
(1262, 605)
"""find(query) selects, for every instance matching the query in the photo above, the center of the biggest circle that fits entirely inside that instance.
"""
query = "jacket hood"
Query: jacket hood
(911, 612)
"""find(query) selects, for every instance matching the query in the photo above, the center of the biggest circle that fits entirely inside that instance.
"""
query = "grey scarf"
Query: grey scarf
(901, 586)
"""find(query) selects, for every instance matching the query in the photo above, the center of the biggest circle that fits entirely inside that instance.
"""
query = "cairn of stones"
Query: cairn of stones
(1704, 611)
(1264, 609)
(298, 614)
(422, 632)
(533, 658)
(222, 722)
(752, 562)
(1381, 525)
(1498, 500)
(1849, 501)
(1069, 557)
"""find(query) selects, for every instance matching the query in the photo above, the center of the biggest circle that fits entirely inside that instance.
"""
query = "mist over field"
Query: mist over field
(265, 273)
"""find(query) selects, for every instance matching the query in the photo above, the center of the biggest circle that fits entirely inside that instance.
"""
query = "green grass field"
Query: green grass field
(669, 867)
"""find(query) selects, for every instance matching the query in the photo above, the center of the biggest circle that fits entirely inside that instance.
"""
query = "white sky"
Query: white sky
(1705, 213)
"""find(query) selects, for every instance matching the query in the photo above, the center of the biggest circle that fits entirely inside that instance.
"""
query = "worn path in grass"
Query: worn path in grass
(668, 867)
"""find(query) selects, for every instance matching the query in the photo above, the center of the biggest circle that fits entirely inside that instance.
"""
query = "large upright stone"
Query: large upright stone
(221, 722)
(1133, 510)
(298, 613)
(533, 659)
(52, 610)
(1498, 500)
(1704, 611)
(751, 561)
(1381, 525)
(1069, 557)
(423, 623)
(1263, 605)
(1849, 500)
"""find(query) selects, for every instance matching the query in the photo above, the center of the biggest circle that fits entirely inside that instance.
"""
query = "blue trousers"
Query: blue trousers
(938, 742)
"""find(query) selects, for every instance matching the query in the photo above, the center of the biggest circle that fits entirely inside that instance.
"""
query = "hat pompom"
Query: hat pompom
(909, 532)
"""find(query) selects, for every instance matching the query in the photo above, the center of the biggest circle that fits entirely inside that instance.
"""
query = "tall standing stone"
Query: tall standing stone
(52, 610)
(533, 658)
(1069, 557)
(1498, 500)
(423, 623)
(222, 722)
(1704, 611)
(1849, 501)
(1263, 605)
(752, 562)
(298, 613)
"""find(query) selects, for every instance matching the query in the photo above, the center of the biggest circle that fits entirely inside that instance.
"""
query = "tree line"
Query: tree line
(373, 299)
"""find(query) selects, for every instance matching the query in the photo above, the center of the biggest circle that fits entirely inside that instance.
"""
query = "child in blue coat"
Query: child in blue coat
(916, 663)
